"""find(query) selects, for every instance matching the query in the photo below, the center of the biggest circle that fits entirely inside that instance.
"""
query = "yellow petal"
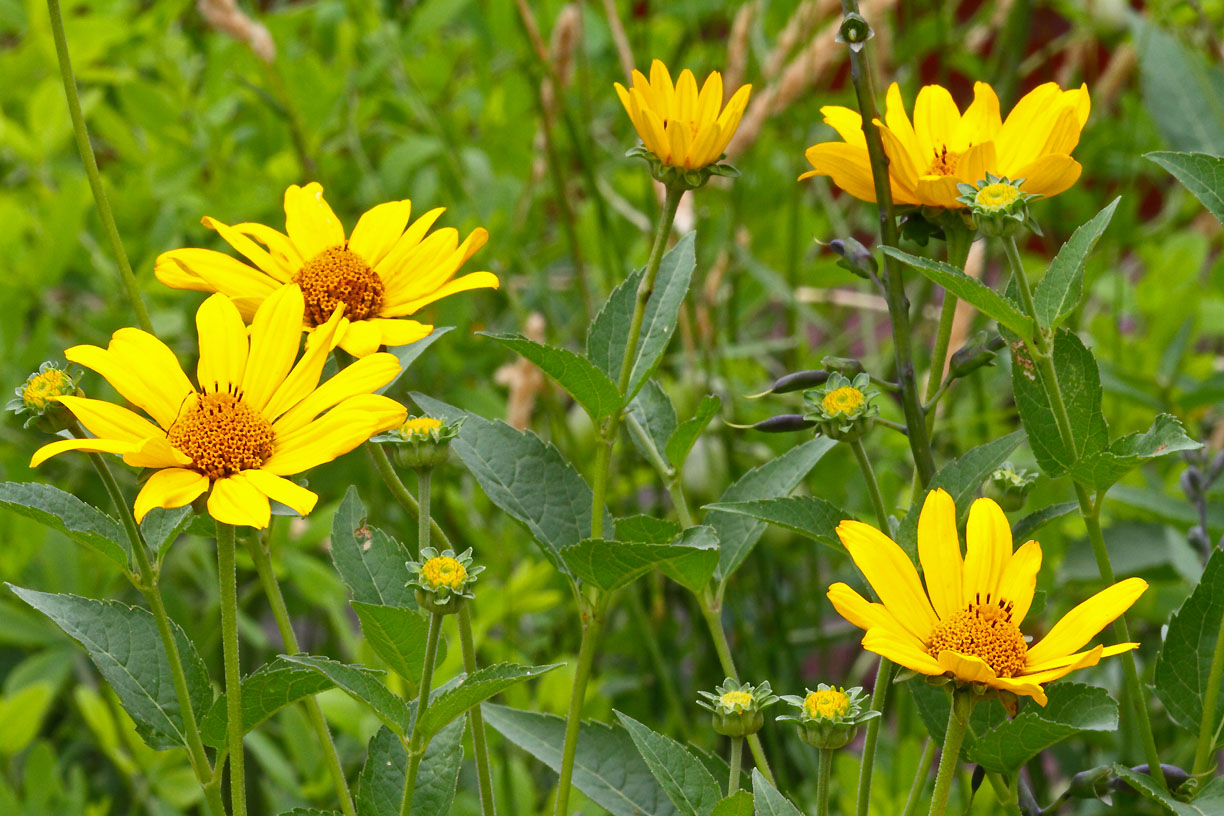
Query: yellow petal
(278, 244)
(898, 121)
(706, 147)
(204, 270)
(902, 172)
(435, 262)
(967, 668)
(464, 283)
(729, 119)
(678, 140)
(940, 553)
(1082, 623)
(235, 500)
(379, 229)
(710, 99)
(1063, 135)
(1022, 688)
(223, 345)
(1049, 175)
(866, 615)
(275, 336)
(1070, 660)
(109, 421)
(179, 275)
(848, 124)
(310, 222)
(891, 574)
(887, 643)
(686, 97)
(282, 490)
(1019, 581)
(335, 433)
(156, 452)
(88, 445)
(398, 331)
(141, 368)
(938, 191)
(655, 137)
(253, 252)
(172, 487)
(305, 375)
(847, 165)
(665, 93)
(975, 162)
(641, 85)
(1082, 661)
(981, 121)
(361, 338)
(936, 121)
(1026, 127)
(988, 548)
(407, 243)
(361, 377)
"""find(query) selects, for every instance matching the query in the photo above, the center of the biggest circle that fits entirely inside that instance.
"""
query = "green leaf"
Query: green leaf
(124, 644)
(524, 476)
(681, 775)
(607, 766)
(934, 703)
(807, 515)
(1059, 291)
(161, 527)
(768, 801)
(310, 812)
(364, 685)
(1185, 658)
(22, 713)
(685, 436)
(397, 635)
(738, 804)
(1199, 173)
(609, 332)
(972, 291)
(368, 560)
(1101, 470)
(1037, 519)
(962, 479)
(590, 387)
(474, 689)
(738, 533)
(646, 529)
(1182, 90)
(1080, 382)
(264, 692)
(407, 354)
(1208, 802)
(611, 565)
(694, 573)
(64, 512)
(381, 786)
(1072, 709)
(653, 408)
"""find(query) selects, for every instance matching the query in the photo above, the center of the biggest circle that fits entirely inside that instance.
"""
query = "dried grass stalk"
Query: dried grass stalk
(225, 16)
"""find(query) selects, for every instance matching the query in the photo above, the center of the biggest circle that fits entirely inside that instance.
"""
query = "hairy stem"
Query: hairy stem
(873, 486)
(1207, 728)
(591, 629)
(484, 775)
(227, 578)
(396, 485)
(879, 696)
(415, 746)
(824, 776)
(737, 758)
(958, 722)
(920, 777)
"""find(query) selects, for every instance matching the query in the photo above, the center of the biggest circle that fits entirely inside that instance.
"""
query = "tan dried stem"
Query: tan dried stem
(523, 379)
(624, 52)
(738, 49)
(799, 26)
(225, 16)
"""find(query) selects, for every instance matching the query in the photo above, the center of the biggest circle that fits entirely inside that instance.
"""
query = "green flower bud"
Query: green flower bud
(842, 408)
(36, 397)
(855, 257)
(443, 580)
(680, 178)
(978, 352)
(854, 31)
(830, 716)
(737, 707)
(422, 442)
(997, 206)
(794, 382)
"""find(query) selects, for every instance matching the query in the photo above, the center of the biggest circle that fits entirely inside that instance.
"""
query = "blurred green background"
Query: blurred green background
(443, 102)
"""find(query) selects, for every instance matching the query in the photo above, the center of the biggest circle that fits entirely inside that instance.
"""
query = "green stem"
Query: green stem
(879, 695)
(227, 578)
(959, 240)
(396, 485)
(667, 472)
(91, 166)
(276, 599)
(1207, 728)
(920, 777)
(414, 747)
(873, 486)
(592, 626)
(958, 722)
(824, 776)
(484, 776)
(1042, 353)
(737, 758)
(423, 514)
(599, 489)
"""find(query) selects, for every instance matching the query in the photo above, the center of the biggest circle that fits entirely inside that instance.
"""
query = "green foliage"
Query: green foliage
(369, 561)
(397, 635)
(1061, 289)
(381, 787)
(1184, 662)
(264, 692)
(768, 801)
(611, 565)
(810, 516)
(1183, 91)
(681, 775)
(474, 689)
(738, 804)
(1201, 174)
(64, 512)
(590, 387)
(681, 440)
(1073, 708)
(363, 685)
(1209, 801)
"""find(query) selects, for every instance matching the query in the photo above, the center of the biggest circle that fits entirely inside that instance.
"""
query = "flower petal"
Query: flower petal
(141, 368)
(275, 336)
(1021, 687)
(1082, 623)
(848, 124)
(335, 433)
(406, 247)
(938, 191)
(264, 260)
(866, 615)
(710, 99)
(282, 490)
(1070, 660)
(235, 500)
(976, 162)
(310, 222)
(361, 377)
(1018, 583)
(891, 574)
(156, 452)
(940, 553)
(88, 445)
(463, 283)
(379, 229)
(965, 667)
(887, 643)
(172, 487)
(1082, 661)
(223, 345)
(936, 121)
(988, 548)
(305, 375)
(898, 121)
(847, 165)
(204, 270)
(901, 169)
(1049, 175)
(981, 121)
(109, 421)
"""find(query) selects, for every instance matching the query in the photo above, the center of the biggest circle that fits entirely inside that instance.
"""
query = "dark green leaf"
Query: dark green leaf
(474, 689)
(1101, 470)
(589, 386)
(397, 635)
(1199, 173)
(694, 573)
(653, 408)
(160, 527)
(686, 435)
(310, 812)
(1059, 291)
(806, 515)
(1208, 802)
(681, 775)
(1185, 658)
(1182, 90)
(264, 693)
(64, 512)
(381, 786)
(408, 353)
(934, 704)
(1037, 519)
(364, 685)
(738, 804)
(611, 565)
(1073, 708)
(368, 560)
(768, 801)
(646, 529)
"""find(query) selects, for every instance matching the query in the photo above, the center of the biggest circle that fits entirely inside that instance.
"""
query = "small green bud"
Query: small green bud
(736, 708)
(842, 408)
(797, 381)
(36, 397)
(978, 352)
(1009, 486)
(782, 423)
(855, 257)
(443, 580)
(421, 443)
(830, 716)
(997, 206)
(854, 32)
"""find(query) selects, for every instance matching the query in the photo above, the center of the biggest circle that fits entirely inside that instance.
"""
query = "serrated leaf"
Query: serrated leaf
(1182, 90)
(372, 563)
(694, 573)
(768, 800)
(160, 527)
(739, 534)
(407, 354)
(1073, 708)
(962, 479)
(123, 642)
(653, 408)
(681, 775)
(362, 684)
(474, 689)
(609, 332)
(264, 692)
(646, 529)
(1062, 286)
(524, 476)
(65, 513)
(397, 635)
(1101, 470)
(1037, 519)
(607, 766)
(807, 515)
(381, 786)
(686, 434)
(1199, 173)
(1208, 802)
(590, 387)
(611, 565)
(1185, 658)
(972, 291)
(737, 804)
(1080, 382)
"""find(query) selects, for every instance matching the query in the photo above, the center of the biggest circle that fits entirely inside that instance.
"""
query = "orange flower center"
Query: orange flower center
(986, 631)
(337, 275)
(222, 435)
(944, 163)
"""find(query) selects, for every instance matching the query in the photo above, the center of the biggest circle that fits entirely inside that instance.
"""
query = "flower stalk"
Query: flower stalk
(958, 724)
(1207, 728)
(480, 745)
(227, 578)
(824, 776)
(959, 240)
(415, 746)
(737, 757)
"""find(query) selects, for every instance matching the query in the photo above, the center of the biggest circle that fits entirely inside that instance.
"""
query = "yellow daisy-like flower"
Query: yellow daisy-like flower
(679, 125)
(943, 147)
(256, 417)
(966, 623)
(383, 271)
(844, 400)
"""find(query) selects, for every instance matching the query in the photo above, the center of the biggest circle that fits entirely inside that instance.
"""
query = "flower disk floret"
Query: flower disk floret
(422, 442)
(842, 408)
(443, 580)
(36, 397)
(737, 708)
(828, 717)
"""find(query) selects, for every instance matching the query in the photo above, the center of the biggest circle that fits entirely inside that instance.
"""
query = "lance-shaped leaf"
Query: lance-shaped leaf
(364, 685)
(65, 513)
(1208, 802)
(681, 775)
(768, 800)
(474, 689)
(381, 786)
(407, 354)
(1182, 89)
(686, 434)
(607, 766)
(310, 812)
(972, 291)
(609, 332)
(1185, 658)
(737, 804)
(123, 642)
(1101, 470)
(646, 529)
(524, 476)
(1199, 173)
(264, 693)
(653, 408)
(807, 515)
(161, 527)
(1060, 290)
(1072, 709)
(590, 387)
(1037, 519)
(397, 635)
(371, 562)
(611, 565)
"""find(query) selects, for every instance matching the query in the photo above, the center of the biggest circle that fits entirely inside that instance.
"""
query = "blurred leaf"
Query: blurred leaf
(768, 801)
(737, 804)
(1185, 658)
(371, 562)
(934, 703)
(22, 713)
(646, 529)
(1199, 173)
(397, 635)
(589, 386)
(264, 692)
(407, 354)
(807, 515)
(381, 786)
(683, 778)
(611, 565)
(974, 292)
(1037, 519)
(64, 512)
(1060, 289)
(686, 434)
(1101, 470)
(364, 685)
(123, 643)
(1182, 90)
(738, 534)
(1073, 708)
(474, 689)
(607, 766)
(609, 332)
(310, 812)
(1208, 802)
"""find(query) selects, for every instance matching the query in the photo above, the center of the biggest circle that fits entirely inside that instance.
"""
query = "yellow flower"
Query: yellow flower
(967, 621)
(443, 571)
(44, 386)
(736, 698)
(844, 400)
(679, 125)
(420, 426)
(943, 148)
(381, 272)
(256, 417)
(827, 703)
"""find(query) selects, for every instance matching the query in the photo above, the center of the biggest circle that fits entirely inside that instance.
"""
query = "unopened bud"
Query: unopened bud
(782, 423)
(978, 352)
(1009, 486)
(797, 381)
(855, 257)
(846, 366)
(854, 31)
